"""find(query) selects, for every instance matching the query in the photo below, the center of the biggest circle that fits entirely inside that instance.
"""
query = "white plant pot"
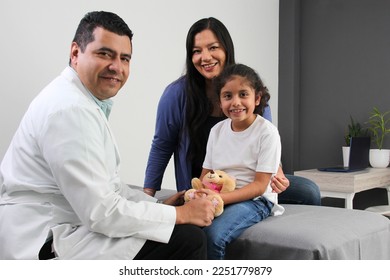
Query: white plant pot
(379, 158)
(346, 150)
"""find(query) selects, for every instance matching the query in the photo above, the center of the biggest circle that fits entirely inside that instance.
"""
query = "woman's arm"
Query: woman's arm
(169, 122)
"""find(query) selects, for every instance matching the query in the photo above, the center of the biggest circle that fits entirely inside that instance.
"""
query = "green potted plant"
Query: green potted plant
(355, 129)
(379, 126)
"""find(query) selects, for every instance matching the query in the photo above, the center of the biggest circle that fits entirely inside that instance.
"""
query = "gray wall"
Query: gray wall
(334, 62)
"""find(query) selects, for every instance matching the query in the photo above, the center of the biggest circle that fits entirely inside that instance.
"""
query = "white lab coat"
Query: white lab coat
(60, 178)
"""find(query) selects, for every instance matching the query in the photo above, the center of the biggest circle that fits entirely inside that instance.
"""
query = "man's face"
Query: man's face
(104, 66)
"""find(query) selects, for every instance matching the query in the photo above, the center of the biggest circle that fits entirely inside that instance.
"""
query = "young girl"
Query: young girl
(246, 146)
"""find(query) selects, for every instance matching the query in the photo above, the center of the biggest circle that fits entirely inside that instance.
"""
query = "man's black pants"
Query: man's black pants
(187, 242)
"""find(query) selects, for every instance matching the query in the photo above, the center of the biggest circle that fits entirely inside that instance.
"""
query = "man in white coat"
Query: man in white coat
(61, 193)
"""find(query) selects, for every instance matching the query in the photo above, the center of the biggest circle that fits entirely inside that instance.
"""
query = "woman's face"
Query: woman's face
(208, 54)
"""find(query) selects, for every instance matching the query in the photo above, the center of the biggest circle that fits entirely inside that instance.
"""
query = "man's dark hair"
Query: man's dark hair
(106, 20)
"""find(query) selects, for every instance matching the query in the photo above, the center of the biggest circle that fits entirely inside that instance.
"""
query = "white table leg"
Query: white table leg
(388, 195)
(349, 201)
(348, 197)
(382, 209)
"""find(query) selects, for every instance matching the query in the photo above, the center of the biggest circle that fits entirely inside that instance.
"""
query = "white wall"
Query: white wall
(35, 43)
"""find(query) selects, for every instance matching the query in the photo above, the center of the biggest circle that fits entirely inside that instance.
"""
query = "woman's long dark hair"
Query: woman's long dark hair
(198, 105)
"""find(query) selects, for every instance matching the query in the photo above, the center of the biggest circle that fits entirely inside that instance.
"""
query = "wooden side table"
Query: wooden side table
(346, 185)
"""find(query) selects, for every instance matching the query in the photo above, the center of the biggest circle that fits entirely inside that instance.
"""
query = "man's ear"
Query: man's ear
(74, 53)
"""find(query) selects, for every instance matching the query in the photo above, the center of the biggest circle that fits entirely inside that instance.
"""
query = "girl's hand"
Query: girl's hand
(205, 192)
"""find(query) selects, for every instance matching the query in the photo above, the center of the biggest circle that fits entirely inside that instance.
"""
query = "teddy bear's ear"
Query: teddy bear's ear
(196, 184)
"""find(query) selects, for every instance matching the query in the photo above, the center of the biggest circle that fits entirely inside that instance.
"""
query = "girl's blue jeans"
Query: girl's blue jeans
(233, 221)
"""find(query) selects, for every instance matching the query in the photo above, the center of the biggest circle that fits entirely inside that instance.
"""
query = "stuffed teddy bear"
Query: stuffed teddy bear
(217, 181)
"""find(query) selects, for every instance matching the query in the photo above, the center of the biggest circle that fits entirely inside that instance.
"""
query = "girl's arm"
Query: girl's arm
(250, 191)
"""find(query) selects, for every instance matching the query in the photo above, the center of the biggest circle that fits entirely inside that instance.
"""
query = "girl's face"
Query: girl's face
(238, 101)
(208, 55)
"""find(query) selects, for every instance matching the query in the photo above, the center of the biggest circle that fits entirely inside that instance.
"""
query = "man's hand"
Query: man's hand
(198, 212)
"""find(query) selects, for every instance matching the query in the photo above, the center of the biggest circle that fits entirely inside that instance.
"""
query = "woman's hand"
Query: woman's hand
(176, 199)
(279, 182)
(149, 191)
